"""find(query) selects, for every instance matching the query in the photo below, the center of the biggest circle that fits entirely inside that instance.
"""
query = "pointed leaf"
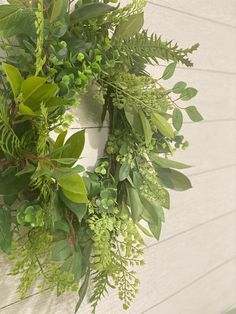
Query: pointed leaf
(14, 78)
(162, 125)
(75, 145)
(174, 180)
(129, 26)
(124, 171)
(59, 9)
(167, 163)
(146, 128)
(177, 119)
(93, 10)
(135, 203)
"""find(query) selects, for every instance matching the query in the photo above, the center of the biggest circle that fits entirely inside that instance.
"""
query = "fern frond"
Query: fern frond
(149, 49)
(101, 283)
(9, 142)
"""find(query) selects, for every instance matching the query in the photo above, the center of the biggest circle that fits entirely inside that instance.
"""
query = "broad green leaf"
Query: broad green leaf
(82, 291)
(177, 119)
(65, 161)
(16, 19)
(169, 71)
(61, 250)
(73, 265)
(124, 171)
(174, 180)
(12, 185)
(188, 93)
(60, 173)
(167, 163)
(25, 110)
(60, 140)
(59, 9)
(31, 85)
(62, 225)
(162, 125)
(14, 78)
(156, 229)
(146, 128)
(78, 209)
(193, 114)
(74, 188)
(135, 203)
(5, 229)
(129, 26)
(179, 87)
(90, 11)
(76, 197)
(75, 145)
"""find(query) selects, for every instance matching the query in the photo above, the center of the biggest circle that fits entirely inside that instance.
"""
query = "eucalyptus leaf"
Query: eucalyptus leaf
(188, 93)
(179, 87)
(169, 71)
(193, 114)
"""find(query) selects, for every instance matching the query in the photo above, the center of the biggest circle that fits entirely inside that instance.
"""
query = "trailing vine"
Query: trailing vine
(64, 227)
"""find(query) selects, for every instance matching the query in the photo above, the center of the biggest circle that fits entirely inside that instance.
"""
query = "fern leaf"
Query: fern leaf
(149, 49)
(9, 142)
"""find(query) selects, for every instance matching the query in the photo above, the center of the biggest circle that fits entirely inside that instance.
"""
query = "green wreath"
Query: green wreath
(61, 225)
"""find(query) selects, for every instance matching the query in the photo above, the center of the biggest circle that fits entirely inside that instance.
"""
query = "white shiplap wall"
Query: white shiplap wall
(192, 270)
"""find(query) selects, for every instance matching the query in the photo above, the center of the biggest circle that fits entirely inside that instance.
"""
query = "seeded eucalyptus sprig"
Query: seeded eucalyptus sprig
(63, 226)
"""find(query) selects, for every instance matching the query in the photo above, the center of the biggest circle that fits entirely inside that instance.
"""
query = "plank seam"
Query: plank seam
(193, 282)
(148, 247)
(212, 170)
(202, 70)
(192, 228)
(192, 15)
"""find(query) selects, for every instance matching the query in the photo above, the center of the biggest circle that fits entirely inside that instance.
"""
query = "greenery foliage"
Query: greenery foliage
(63, 226)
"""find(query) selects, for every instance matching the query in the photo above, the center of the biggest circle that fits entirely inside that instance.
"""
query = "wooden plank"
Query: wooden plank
(218, 42)
(170, 266)
(209, 199)
(216, 91)
(213, 10)
(216, 291)
(204, 152)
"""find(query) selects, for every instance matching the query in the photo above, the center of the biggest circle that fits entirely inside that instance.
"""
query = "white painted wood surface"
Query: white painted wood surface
(193, 268)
